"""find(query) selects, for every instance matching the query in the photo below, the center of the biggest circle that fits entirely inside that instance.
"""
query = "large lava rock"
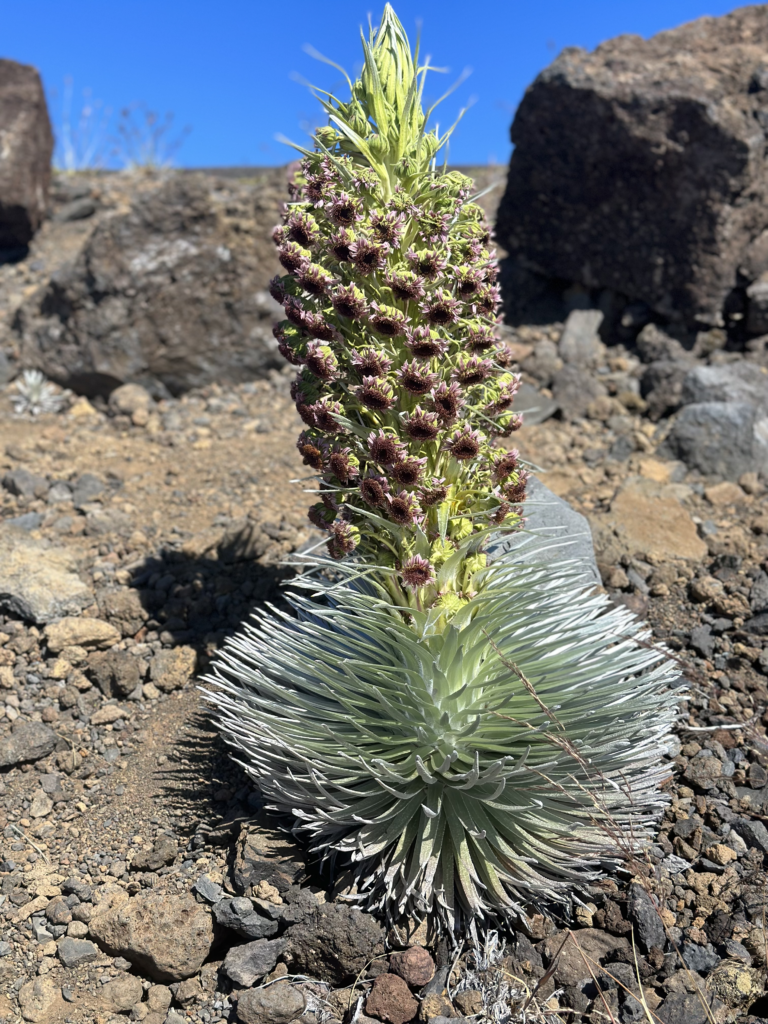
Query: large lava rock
(26, 145)
(640, 167)
(171, 291)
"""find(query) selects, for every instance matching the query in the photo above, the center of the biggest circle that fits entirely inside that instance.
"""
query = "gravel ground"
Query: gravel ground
(138, 872)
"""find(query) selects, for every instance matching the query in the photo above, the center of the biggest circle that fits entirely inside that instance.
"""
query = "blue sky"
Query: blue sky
(228, 69)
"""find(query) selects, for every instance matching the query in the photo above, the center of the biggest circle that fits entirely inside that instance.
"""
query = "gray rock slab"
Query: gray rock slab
(754, 833)
(758, 595)
(580, 341)
(554, 532)
(211, 891)
(248, 963)
(239, 916)
(74, 952)
(175, 280)
(38, 582)
(574, 388)
(28, 741)
(733, 382)
(24, 484)
(719, 438)
(27, 522)
(535, 407)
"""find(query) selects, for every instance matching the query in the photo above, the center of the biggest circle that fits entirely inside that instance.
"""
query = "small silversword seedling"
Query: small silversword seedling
(473, 735)
(35, 395)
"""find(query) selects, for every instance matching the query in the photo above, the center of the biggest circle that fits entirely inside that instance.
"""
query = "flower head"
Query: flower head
(433, 492)
(403, 508)
(321, 361)
(294, 311)
(388, 227)
(433, 226)
(387, 320)
(502, 511)
(349, 301)
(480, 337)
(374, 490)
(464, 444)
(384, 449)
(503, 464)
(371, 363)
(340, 243)
(289, 342)
(416, 379)
(405, 285)
(344, 539)
(302, 228)
(313, 279)
(472, 371)
(368, 256)
(305, 412)
(417, 572)
(447, 400)
(487, 299)
(324, 413)
(429, 263)
(315, 189)
(505, 396)
(343, 464)
(311, 451)
(317, 326)
(375, 394)
(422, 426)
(344, 210)
(514, 489)
(293, 256)
(468, 280)
(424, 343)
(407, 472)
(440, 309)
(277, 290)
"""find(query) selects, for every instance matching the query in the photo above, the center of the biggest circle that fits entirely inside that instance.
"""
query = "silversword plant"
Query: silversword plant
(35, 395)
(473, 735)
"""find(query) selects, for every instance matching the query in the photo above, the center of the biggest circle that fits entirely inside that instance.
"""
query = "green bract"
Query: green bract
(467, 773)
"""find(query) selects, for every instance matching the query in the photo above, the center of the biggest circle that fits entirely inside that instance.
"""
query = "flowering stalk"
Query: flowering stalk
(390, 302)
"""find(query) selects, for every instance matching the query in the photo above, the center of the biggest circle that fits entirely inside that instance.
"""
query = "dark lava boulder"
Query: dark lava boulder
(26, 146)
(640, 167)
(171, 292)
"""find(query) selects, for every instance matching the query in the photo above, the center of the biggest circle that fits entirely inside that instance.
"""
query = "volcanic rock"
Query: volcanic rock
(25, 155)
(28, 741)
(277, 1004)
(248, 963)
(724, 439)
(166, 937)
(390, 1000)
(639, 167)
(163, 294)
(38, 582)
(335, 943)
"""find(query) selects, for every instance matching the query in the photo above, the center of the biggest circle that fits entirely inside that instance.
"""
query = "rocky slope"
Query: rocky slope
(139, 874)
